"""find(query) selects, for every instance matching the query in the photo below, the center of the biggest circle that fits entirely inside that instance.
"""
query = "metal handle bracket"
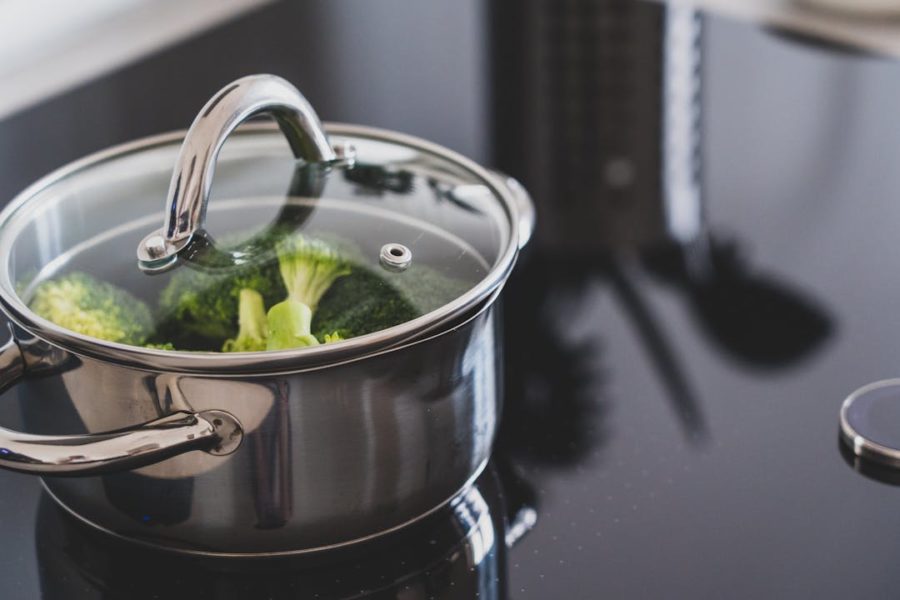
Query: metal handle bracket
(214, 431)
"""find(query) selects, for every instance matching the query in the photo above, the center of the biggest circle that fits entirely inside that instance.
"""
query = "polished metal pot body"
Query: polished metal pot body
(329, 456)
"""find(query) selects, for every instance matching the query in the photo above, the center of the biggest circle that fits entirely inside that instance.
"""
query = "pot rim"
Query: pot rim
(243, 363)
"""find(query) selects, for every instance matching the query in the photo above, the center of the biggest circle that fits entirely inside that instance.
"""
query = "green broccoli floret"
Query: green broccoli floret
(367, 300)
(308, 269)
(163, 346)
(313, 293)
(360, 303)
(252, 326)
(332, 338)
(199, 310)
(426, 288)
(95, 308)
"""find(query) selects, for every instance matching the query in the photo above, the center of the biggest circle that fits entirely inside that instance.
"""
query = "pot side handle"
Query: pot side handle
(525, 211)
(213, 431)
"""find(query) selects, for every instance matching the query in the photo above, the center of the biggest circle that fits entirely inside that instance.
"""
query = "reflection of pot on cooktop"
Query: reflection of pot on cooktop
(459, 552)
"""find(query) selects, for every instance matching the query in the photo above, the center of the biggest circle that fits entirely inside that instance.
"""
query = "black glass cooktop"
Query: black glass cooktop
(671, 406)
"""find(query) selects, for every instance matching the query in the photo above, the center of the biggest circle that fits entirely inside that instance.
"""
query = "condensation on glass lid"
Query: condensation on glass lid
(870, 422)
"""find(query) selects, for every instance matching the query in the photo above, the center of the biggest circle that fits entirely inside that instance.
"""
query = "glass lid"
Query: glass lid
(276, 239)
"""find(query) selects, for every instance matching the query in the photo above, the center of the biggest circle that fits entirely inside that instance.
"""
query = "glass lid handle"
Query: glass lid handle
(192, 179)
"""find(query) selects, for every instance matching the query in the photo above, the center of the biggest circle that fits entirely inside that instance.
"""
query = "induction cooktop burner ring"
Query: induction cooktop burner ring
(853, 421)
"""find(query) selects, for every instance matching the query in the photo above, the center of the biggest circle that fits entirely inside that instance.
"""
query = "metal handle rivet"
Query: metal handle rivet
(344, 152)
(155, 246)
(227, 429)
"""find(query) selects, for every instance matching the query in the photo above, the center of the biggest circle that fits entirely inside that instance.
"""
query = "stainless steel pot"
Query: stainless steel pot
(268, 452)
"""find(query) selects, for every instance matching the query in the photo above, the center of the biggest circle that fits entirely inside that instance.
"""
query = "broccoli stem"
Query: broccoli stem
(289, 326)
(308, 268)
(252, 324)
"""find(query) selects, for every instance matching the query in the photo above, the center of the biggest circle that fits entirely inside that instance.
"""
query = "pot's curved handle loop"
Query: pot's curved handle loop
(192, 179)
(214, 431)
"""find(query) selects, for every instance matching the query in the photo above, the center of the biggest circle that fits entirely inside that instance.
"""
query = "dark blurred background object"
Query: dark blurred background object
(578, 116)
